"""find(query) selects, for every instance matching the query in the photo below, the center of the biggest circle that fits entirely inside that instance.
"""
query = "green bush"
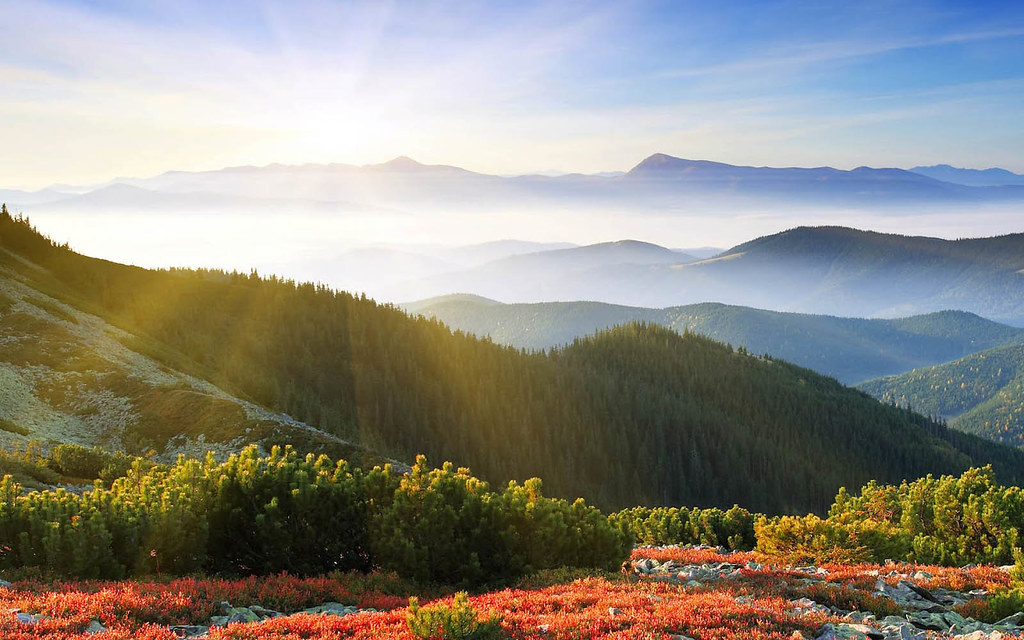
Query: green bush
(443, 525)
(286, 513)
(946, 520)
(257, 514)
(733, 529)
(28, 464)
(457, 621)
(76, 461)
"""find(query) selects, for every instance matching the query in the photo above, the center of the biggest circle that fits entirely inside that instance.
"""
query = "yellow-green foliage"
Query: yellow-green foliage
(946, 520)
(444, 525)
(733, 528)
(457, 621)
(27, 464)
(266, 514)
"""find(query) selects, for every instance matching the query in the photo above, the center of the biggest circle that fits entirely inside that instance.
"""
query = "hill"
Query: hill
(585, 272)
(982, 393)
(67, 376)
(818, 270)
(993, 177)
(849, 349)
(883, 274)
(635, 415)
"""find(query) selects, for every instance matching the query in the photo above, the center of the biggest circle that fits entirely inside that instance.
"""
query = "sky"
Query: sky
(91, 90)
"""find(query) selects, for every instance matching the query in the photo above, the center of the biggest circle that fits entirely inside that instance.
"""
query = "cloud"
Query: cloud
(802, 55)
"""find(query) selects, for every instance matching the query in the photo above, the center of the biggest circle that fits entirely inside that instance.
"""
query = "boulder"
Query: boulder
(189, 631)
(95, 627)
(849, 632)
(331, 609)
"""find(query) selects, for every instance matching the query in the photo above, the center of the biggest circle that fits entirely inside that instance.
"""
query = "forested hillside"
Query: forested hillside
(982, 393)
(849, 349)
(636, 415)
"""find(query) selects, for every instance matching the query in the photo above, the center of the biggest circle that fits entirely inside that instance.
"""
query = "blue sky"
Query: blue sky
(93, 90)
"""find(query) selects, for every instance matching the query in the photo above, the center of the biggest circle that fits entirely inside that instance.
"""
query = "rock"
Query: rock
(921, 591)
(849, 632)
(242, 614)
(1014, 619)
(612, 611)
(543, 628)
(907, 632)
(952, 617)
(27, 618)
(979, 635)
(332, 609)
(232, 615)
(4, 584)
(928, 621)
(95, 627)
(265, 613)
(860, 616)
(189, 631)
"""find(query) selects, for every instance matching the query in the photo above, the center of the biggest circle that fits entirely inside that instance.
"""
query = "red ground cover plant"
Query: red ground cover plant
(592, 608)
(756, 603)
(694, 555)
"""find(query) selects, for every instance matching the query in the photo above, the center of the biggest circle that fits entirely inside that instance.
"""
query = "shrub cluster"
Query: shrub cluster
(457, 621)
(33, 466)
(946, 520)
(733, 528)
(76, 461)
(257, 514)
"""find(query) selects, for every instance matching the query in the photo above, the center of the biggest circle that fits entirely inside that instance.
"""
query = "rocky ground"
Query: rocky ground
(915, 611)
(679, 593)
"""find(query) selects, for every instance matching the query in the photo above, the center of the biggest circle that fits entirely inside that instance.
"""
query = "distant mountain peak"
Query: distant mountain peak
(401, 163)
(992, 177)
(664, 162)
(405, 164)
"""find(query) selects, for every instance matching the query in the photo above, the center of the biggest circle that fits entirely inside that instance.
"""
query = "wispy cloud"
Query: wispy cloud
(812, 53)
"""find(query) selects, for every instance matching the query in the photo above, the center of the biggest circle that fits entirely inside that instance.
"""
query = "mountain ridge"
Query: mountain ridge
(818, 270)
(851, 349)
(405, 181)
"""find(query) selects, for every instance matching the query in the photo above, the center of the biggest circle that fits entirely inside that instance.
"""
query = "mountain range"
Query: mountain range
(635, 415)
(821, 270)
(850, 349)
(658, 182)
(994, 177)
